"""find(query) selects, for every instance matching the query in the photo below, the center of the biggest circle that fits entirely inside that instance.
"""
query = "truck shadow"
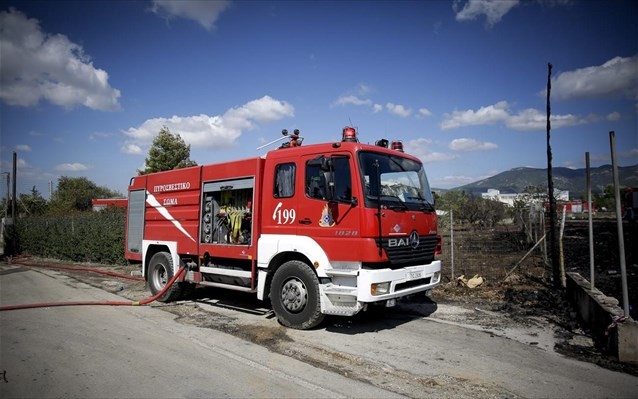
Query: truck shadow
(378, 318)
(238, 301)
(375, 318)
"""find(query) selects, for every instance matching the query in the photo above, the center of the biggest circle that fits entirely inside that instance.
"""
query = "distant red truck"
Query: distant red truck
(100, 204)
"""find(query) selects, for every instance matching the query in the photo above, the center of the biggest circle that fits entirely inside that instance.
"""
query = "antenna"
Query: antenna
(356, 128)
(352, 124)
(295, 139)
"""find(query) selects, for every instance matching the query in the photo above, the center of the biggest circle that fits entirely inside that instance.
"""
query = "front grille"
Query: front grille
(405, 255)
(413, 283)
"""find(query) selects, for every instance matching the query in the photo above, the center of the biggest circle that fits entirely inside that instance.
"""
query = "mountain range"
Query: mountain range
(518, 180)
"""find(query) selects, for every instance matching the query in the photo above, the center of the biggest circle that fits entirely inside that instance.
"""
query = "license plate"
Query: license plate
(415, 275)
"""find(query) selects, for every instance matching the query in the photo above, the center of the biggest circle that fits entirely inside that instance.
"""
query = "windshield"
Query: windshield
(402, 182)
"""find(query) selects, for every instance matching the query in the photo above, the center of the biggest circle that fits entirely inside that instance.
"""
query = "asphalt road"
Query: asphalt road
(137, 352)
(213, 349)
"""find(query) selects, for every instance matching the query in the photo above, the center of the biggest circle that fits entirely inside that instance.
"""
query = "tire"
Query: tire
(187, 290)
(160, 272)
(294, 294)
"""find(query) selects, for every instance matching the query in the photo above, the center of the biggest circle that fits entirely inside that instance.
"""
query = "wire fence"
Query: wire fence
(492, 252)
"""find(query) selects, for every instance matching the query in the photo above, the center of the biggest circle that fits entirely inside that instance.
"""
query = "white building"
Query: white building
(509, 199)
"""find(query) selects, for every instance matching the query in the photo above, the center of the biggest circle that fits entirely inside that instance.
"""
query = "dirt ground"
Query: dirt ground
(607, 271)
(526, 295)
(522, 300)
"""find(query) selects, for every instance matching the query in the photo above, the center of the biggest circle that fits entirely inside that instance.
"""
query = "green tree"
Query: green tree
(3, 207)
(605, 199)
(473, 210)
(31, 204)
(452, 201)
(76, 193)
(168, 152)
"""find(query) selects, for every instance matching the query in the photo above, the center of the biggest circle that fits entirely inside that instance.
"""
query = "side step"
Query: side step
(339, 300)
(228, 286)
(227, 273)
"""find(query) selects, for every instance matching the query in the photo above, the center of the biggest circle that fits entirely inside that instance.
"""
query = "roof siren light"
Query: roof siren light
(397, 145)
(349, 135)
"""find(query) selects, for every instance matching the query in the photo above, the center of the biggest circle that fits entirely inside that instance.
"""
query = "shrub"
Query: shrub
(80, 237)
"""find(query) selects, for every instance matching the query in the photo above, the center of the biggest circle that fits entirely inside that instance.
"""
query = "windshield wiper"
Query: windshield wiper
(426, 205)
(399, 205)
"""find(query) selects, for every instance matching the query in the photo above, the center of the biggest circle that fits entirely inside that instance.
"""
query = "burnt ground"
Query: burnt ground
(523, 299)
(527, 295)
(607, 270)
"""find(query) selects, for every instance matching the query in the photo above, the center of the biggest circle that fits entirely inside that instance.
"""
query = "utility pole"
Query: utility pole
(621, 235)
(592, 274)
(14, 202)
(550, 189)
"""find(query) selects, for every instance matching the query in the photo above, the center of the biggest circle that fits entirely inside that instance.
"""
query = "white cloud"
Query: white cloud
(453, 181)
(363, 89)
(425, 112)
(37, 65)
(377, 108)
(493, 10)
(22, 164)
(204, 12)
(467, 145)
(483, 116)
(23, 147)
(616, 78)
(525, 120)
(203, 131)
(99, 135)
(420, 148)
(132, 149)
(398, 109)
(633, 153)
(614, 116)
(533, 119)
(420, 143)
(437, 157)
(352, 100)
(7, 164)
(71, 167)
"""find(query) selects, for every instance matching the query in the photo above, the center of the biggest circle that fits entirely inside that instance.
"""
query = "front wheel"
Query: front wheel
(294, 294)
(160, 272)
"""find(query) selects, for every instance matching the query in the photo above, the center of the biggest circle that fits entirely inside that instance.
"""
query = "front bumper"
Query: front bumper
(403, 282)
(349, 299)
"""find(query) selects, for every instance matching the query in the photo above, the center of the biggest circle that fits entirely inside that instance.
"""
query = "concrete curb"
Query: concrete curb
(601, 313)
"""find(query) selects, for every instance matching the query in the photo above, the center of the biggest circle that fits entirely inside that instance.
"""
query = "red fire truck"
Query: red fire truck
(323, 229)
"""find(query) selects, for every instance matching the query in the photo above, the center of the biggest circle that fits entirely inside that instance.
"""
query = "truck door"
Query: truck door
(328, 210)
(282, 188)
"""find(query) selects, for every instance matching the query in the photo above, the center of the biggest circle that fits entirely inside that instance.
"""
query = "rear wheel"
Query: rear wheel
(294, 294)
(160, 272)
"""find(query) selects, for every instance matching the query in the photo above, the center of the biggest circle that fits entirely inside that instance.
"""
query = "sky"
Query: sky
(85, 86)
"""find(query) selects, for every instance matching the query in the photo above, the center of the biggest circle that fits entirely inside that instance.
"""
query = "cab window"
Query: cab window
(332, 182)
(284, 180)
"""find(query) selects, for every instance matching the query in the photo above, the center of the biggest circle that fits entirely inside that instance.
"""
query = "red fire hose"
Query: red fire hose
(105, 303)
(83, 269)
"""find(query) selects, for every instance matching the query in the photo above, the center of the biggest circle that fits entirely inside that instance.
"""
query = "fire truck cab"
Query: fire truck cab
(316, 229)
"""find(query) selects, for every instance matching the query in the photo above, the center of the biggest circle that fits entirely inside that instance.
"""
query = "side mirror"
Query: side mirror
(325, 164)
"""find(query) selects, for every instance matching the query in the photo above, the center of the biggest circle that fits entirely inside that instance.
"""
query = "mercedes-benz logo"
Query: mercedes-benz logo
(414, 239)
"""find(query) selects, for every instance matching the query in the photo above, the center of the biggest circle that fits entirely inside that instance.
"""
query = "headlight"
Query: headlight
(436, 276)
(380, 288)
